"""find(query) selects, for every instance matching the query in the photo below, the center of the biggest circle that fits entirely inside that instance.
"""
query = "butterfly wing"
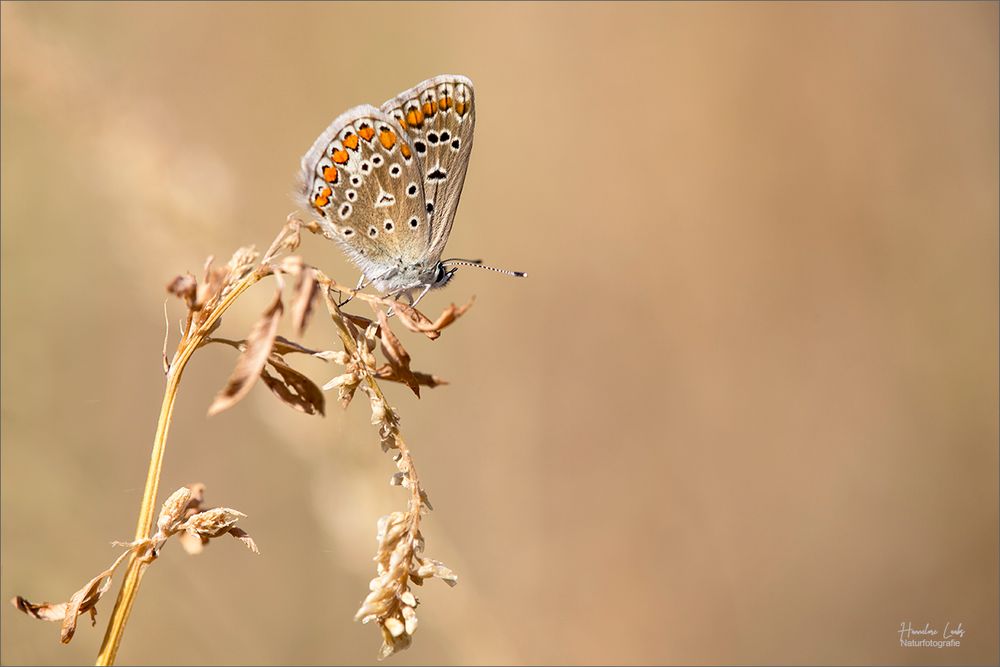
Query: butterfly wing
(439, 117)
(363, 179)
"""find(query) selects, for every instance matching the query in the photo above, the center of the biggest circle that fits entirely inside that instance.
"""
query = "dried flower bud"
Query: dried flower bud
(213, 522)
(172, 512)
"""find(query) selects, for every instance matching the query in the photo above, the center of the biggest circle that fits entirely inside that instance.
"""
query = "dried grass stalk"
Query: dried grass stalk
(400, 562)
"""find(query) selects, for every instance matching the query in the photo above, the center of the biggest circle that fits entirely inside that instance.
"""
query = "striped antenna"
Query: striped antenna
(478, 263)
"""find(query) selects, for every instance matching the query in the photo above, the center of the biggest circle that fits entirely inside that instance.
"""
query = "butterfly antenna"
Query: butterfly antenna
(478, 263)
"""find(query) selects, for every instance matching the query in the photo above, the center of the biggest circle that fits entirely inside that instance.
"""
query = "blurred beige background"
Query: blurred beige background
(744, 410)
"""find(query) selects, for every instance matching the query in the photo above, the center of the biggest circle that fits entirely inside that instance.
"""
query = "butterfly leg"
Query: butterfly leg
(427, 288)
(359, 287)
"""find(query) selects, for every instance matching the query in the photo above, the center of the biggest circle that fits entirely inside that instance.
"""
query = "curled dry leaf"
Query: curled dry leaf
(211, 287)
(306, 292)
(396, 354)
(184, 287)
(387, 372)
(82, 601)
(251, 362)
(293, 388)
(45, 611)
(416, 321)
(243, 537)
(283, 346)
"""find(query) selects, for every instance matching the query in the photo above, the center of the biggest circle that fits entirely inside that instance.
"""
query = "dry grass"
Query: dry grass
(400, 562)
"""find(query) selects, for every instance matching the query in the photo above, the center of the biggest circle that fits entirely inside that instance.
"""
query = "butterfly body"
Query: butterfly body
(385, 182)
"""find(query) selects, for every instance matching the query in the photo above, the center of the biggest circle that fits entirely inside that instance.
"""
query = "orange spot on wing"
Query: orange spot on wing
(367, 132)
(340, 157)
(330, 174)
(415, 117)
(323, 198)
(387, 138)
(445, 103)
(405, 150)
(460, 107)
(351, 141)
(429, 109)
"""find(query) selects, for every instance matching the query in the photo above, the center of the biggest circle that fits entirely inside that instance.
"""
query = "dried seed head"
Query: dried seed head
(172, 512)
(213, 522)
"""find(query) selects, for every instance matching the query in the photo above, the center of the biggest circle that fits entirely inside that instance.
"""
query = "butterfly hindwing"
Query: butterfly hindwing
(439, 117)
(364, 180)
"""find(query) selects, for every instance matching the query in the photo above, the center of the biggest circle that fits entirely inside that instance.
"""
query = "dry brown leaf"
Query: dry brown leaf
(251, 362)
(84, 600)
(283, 346)
(294, 388)
(358, 320)
(46, 611)
(211, 287)
(306, 291)
(396, 354)
(450, 314)
(414, 320)
(184, 287)
(243, 537)
(387, 372)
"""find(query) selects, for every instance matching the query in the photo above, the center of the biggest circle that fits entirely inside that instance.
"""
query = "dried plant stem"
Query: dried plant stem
(350, 345)
(137, 564)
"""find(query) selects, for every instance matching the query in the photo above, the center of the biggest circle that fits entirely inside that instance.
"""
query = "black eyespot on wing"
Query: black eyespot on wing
(420, 146)
(430, 207)
(388, 225)
(372, 231)
(412, 190)
(445, 136)
(432, 138)
(455, 144)
(414, 222)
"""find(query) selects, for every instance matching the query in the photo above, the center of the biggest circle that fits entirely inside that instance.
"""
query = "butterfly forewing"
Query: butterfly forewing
(364, 180)
(439, 117)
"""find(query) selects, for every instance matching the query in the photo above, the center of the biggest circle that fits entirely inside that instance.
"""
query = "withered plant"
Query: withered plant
(264, 356)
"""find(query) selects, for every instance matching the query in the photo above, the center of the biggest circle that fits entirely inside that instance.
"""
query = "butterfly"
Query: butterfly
(385, 182)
